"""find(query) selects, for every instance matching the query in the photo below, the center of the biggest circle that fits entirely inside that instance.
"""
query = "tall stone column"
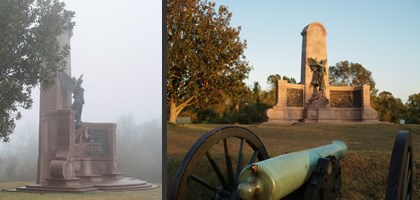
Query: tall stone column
(53, 99)
(314, 45)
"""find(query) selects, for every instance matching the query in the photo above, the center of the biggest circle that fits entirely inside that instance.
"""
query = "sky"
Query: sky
(383, 36)
(117, 46)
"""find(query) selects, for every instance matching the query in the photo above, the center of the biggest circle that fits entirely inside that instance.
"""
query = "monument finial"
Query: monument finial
(313, 25)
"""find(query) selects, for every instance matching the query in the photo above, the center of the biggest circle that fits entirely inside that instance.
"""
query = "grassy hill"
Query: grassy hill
(364, 169)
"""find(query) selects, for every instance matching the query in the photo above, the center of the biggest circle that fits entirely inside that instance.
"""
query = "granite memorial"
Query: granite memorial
(313, 99)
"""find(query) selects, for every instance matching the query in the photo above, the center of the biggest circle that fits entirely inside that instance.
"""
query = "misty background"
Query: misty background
(139, 151)
(117, 46)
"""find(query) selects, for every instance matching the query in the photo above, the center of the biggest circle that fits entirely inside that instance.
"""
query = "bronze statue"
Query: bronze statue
(79, 100)
(318, 69)
(74, 86)
(318, 72)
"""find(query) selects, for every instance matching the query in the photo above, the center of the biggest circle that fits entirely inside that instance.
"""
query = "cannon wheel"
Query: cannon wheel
(400, 175)
(214, 162)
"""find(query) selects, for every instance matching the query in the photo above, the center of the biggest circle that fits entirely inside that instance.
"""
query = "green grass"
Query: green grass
(127, 195)
(364, 169)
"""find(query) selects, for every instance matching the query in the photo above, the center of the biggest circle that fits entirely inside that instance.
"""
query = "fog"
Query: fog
(139, 151)
(18, 158)
(139, 148)
(117, 46)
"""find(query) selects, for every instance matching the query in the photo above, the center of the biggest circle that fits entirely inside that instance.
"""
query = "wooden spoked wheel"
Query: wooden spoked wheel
(400, 176)
(211, 168)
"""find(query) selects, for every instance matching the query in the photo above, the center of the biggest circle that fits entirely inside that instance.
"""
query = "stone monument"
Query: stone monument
(75, 156)
(313, 99)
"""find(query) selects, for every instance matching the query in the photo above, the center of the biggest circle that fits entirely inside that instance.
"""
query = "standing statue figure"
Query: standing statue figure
(79, 100)
(318, 69)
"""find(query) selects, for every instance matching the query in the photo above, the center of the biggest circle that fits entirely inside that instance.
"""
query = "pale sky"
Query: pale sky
(383, 36)
(117, 46)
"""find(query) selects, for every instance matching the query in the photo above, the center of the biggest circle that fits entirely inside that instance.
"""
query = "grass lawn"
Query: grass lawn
(152, 194)
(364, 169)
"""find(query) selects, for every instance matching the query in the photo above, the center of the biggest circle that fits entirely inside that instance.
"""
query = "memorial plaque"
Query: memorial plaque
(346, 99)
(100, 136)
(294, 97)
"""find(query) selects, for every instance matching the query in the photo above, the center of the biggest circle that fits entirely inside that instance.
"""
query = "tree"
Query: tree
(390, 109)
(240, 96)
(256, 90)
(272, 80)
(29, 53)
(345, 73)
(413, 109)
(289, 79)
(205, 55)
(145, 137)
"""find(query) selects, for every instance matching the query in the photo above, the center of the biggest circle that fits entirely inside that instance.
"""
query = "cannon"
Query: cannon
(279, 176)
(231, 162)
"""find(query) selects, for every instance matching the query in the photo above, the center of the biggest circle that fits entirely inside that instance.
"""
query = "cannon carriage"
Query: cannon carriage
(232, 163)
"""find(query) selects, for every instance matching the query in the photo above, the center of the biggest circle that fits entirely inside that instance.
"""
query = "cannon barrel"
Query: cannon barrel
(277, 177)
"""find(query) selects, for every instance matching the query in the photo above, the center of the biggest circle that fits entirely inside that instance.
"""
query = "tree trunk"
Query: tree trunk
(172, 112)
(175, 110)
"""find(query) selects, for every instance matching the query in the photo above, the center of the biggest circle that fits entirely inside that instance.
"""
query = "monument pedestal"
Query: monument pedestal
(333, 115)
(84, 171)
(285, 114)
(56, 154)
(369, 115)
(90, 165)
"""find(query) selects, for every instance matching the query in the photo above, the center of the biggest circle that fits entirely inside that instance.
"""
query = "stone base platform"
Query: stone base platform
(122, 184)
(125, 184)
(287, 115)
(48, 188)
